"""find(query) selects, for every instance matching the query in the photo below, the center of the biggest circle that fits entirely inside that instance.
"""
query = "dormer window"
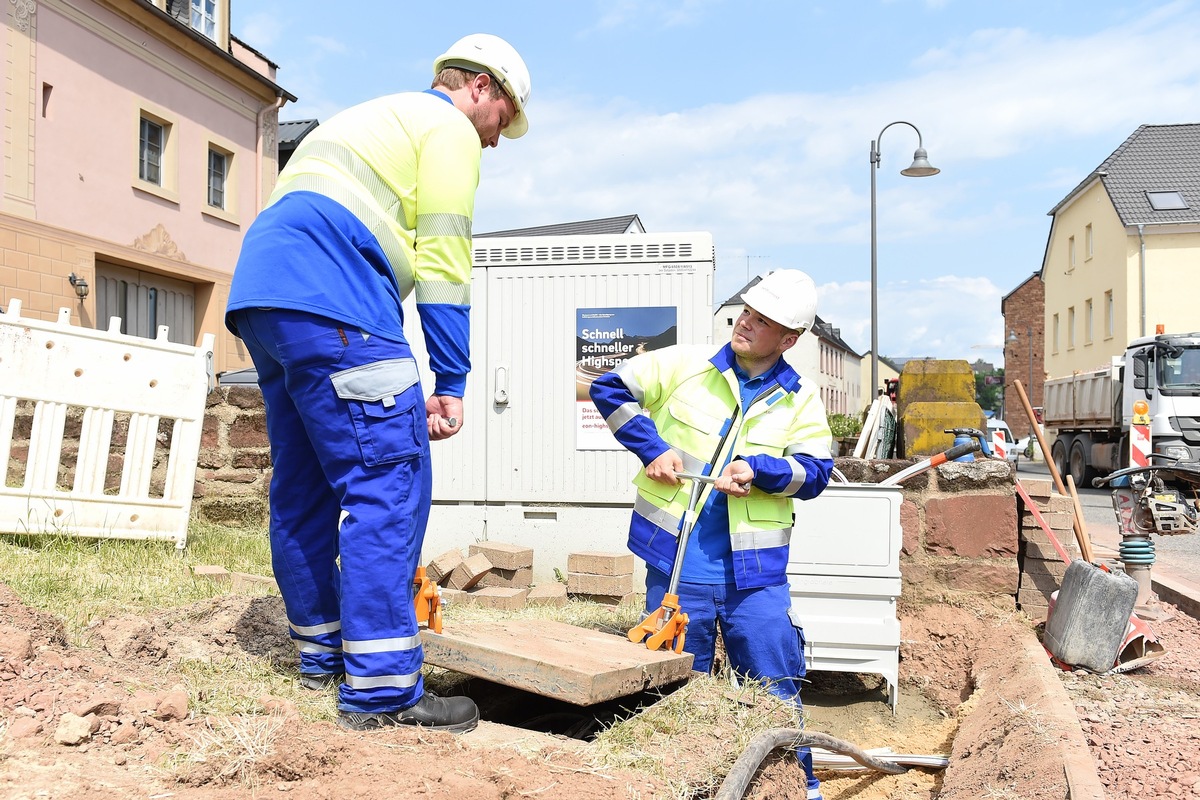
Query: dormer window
(1167, 201)
(204, 17)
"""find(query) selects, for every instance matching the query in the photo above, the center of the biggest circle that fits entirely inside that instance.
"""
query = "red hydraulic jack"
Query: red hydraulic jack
(428, 601)
(667, 627)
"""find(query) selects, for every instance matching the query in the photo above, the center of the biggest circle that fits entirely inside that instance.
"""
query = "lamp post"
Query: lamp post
(920, 168)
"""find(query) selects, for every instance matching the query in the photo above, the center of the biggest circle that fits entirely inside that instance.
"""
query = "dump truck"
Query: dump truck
(1089, 413)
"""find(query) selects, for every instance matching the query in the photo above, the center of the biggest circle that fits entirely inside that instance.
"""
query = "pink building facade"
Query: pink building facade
(140, 142)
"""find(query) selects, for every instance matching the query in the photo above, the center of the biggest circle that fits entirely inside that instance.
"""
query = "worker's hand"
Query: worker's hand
(663, 468)
(735, 479)
(444, 416)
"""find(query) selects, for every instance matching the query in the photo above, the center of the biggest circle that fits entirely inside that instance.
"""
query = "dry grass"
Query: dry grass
(227, 750)
(691, 738)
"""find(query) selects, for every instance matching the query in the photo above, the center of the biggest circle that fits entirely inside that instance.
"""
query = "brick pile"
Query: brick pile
(601, 577)
(492, 575)
(1042, 568)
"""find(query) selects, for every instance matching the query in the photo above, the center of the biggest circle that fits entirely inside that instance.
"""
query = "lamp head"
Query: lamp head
(920, 167)
(80, 284)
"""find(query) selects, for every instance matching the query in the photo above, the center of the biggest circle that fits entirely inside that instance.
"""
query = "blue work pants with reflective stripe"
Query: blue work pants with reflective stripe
(761, 640)
(336, 454)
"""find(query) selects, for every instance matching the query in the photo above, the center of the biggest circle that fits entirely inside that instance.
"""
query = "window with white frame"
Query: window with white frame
(1087, 321)
(1071, 327)
(151, 141)
(204, 17)
(218, 172)
(155, 167)
(1108, 314)
(1055, 340)
(1071, 253)
(1088, 243)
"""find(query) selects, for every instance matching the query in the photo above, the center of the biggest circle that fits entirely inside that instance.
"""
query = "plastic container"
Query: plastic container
(1090, 615)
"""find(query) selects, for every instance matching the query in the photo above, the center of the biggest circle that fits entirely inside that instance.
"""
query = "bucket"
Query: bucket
(1089, 616)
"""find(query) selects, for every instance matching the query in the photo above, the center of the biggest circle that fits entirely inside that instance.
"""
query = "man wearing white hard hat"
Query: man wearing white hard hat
(745, 415)
(375, 204)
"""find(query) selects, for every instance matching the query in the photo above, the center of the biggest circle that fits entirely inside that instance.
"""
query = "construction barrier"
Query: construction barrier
(114, 424)
(1139, 436)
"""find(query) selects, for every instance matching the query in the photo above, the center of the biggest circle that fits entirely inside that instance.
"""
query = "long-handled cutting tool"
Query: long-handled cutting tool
(667, 626)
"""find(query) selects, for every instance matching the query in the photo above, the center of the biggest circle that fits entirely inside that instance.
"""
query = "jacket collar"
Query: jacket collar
(782, 372)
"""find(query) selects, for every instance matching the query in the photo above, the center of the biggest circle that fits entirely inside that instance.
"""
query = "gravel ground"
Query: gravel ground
(1143, 727)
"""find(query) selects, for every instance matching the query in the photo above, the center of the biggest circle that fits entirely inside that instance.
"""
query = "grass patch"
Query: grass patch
(81, 580)
(691, 738)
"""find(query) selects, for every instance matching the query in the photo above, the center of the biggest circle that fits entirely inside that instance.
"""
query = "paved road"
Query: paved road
(1176, 557)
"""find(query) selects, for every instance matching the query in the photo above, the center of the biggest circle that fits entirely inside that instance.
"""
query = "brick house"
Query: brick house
(1024, 350)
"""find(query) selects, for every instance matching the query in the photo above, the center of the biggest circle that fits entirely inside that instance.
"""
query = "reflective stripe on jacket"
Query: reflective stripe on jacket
(692, 399)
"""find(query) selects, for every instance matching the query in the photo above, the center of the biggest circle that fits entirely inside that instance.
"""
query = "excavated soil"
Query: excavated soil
(112, 721)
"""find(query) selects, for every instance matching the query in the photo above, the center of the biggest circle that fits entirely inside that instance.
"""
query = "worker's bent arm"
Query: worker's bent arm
(622, 411)
(807, 461)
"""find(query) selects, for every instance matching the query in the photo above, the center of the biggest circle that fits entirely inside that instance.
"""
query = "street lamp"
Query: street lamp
(920, 168)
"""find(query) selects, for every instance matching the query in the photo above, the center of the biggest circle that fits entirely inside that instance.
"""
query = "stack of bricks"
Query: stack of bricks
(492, 575)
(1042, 568)
(506, 585)
(601, 577)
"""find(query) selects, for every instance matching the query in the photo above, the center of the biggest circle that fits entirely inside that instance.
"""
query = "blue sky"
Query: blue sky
(753, 120)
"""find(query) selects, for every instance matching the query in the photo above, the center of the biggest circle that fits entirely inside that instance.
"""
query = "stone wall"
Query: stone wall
(959, 520)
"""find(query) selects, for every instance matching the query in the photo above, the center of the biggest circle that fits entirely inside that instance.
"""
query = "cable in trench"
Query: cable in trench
(738, 780)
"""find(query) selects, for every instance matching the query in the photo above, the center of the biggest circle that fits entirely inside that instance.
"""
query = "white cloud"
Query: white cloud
(786, 174)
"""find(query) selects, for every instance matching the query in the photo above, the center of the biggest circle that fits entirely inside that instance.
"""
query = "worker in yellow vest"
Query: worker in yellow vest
(376, 203)
(745, 415)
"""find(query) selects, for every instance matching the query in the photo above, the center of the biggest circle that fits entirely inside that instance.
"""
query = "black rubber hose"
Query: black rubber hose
(738, 780)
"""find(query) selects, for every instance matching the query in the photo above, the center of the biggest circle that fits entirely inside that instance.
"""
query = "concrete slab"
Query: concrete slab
(552, 659)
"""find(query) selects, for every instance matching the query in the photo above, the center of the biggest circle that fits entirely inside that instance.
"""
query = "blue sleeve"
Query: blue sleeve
(447, 330)
(636, 432)
(799, 475)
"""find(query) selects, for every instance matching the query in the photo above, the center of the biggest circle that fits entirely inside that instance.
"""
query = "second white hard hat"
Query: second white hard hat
(787, 296)
(483, 52)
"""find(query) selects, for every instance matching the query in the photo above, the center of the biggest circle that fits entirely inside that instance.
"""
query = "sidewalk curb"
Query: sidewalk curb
(1082, 774)
(1181, 596)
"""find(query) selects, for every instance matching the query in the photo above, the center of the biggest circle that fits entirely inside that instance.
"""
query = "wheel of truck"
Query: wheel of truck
(1058, 451)
(1081, 471)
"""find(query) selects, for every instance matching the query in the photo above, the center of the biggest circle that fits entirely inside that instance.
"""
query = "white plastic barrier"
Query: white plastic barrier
(158, 388)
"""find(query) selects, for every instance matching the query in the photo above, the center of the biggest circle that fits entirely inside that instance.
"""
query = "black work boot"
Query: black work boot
(454, 714)
(316, 681)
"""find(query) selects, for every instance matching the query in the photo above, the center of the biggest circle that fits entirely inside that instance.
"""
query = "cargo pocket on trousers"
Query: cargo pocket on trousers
(384, 401)
(801, 641)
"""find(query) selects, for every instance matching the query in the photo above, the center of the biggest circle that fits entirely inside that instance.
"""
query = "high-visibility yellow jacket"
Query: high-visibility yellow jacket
(375, 203)
(694, 406)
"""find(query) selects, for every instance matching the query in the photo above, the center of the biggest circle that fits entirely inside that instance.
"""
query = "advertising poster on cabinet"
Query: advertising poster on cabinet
(604, 338)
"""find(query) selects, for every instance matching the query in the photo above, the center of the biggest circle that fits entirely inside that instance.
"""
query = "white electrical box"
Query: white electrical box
(844, 571)
(531, 466)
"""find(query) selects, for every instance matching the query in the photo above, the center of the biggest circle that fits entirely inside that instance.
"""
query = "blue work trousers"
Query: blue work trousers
(761, 640)
(345, 417)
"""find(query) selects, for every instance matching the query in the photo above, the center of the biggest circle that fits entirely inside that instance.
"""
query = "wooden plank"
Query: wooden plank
(552, 659)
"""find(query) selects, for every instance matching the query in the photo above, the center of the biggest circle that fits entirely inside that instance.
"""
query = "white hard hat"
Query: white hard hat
(482, 52)
(787, 296)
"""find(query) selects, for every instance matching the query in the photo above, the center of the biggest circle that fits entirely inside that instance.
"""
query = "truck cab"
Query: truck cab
(1090, 413)
(1166, 374)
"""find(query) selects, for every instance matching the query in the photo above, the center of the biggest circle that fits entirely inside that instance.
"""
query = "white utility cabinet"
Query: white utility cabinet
(517, 473)
(844, 571)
